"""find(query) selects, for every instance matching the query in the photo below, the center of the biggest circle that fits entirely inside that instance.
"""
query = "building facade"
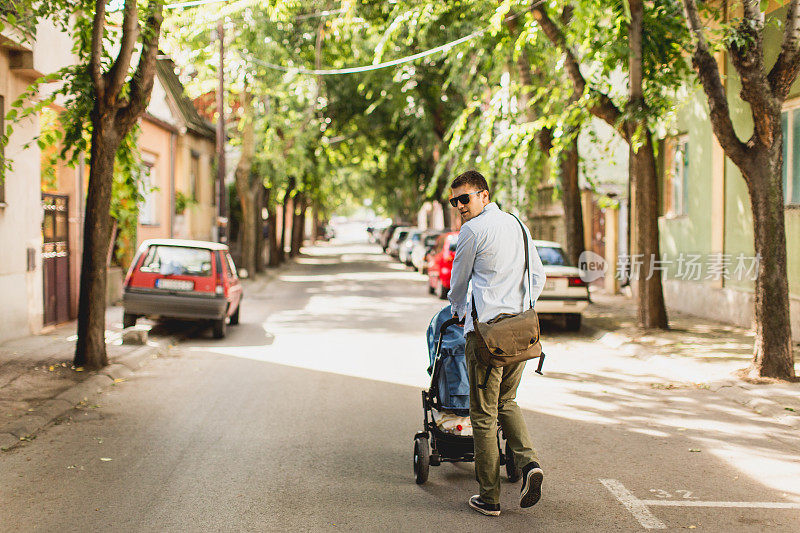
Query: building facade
(23, 59)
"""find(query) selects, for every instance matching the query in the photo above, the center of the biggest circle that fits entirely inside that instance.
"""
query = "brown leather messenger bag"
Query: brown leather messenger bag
(510, 338)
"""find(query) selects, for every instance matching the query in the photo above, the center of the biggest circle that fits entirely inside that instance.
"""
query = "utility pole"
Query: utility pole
(222, 211)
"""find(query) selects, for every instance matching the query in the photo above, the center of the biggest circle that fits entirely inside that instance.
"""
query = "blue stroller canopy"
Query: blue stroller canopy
(453, 379)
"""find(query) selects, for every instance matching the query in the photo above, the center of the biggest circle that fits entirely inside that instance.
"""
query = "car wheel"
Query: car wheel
(422, 460)
(513, 471)
(431, 289)
(235, 316)
(573, 321)
(128, 320)
(220, 328)
(443, 291)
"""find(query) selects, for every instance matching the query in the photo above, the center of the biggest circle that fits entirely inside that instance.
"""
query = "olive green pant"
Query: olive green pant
(489, 406)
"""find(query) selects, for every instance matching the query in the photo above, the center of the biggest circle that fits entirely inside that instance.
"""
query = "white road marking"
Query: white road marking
(639, 508)
(633, 504)
(695, 503)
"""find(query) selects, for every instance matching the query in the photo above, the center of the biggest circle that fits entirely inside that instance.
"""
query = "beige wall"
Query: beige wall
(197, 221)
(20, 220)
(154, 144)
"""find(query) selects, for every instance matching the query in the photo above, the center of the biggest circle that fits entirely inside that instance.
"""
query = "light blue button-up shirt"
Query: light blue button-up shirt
(490, 252)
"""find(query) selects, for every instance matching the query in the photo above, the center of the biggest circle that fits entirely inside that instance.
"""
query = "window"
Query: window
(790, 123)
(147, 188)
(552, 256)
(2, 152)
(177, 261)
(676, 186)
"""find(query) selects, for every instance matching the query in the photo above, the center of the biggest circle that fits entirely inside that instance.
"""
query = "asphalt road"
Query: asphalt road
(303, 418)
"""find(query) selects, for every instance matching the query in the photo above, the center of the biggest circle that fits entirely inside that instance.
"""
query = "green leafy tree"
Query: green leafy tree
(106, 92)
(648, 39)
(759, 158)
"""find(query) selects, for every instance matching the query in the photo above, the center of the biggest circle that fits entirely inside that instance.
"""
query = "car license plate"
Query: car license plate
(550, 285)
(174, 284)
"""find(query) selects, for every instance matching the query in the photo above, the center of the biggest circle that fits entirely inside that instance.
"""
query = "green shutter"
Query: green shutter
(795, 189)
(785, 144)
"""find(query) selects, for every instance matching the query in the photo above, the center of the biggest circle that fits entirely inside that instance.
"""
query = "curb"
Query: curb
(26, 427)
(730, 389)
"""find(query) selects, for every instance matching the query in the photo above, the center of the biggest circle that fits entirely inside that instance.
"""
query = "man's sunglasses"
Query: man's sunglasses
(463, 198)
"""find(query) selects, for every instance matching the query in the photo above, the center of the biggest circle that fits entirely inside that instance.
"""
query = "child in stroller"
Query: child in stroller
(447, 433)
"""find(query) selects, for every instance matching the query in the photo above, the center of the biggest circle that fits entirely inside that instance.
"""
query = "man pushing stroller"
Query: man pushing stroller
(492, 254)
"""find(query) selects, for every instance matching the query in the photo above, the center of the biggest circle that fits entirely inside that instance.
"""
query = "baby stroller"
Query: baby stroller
(447, 433)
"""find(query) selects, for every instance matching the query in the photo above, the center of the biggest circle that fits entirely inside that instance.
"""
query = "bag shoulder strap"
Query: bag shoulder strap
(527, 271)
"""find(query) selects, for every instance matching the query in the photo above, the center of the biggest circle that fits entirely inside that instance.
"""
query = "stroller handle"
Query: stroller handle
(448, 323)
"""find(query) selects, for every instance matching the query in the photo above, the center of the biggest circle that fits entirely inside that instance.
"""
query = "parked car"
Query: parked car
(419, 254)
(397, 239)
(404, 250)
(387, 235)
(440, 264)
(565, 294)
(191, 280)
(376, 230)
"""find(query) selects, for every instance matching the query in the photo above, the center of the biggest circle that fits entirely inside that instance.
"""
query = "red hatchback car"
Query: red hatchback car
(190, 280)
(440, 262)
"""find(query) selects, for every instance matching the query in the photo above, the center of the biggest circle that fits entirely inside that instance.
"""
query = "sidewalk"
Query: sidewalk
(695, 352)
(39, 385)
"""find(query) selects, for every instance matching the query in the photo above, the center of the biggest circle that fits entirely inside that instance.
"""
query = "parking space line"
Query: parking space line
(633, 504)
(640, 508)
(694, 503)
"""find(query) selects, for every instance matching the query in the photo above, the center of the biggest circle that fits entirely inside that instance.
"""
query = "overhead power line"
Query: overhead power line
(195, 3)
(365, 68)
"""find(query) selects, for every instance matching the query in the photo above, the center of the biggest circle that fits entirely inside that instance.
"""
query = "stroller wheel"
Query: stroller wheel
(422, 460)
(513, 471)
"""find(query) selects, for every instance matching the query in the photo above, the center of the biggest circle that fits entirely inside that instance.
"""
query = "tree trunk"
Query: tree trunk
(315, 223)
(243, 179)
(287, 197)
(272, 232)
(298, 228)
(446, 213)
(260, 194)
(571, 201)
(652, 312)
(247, 227)
(90, 349)
(111, 120)
(772, 355)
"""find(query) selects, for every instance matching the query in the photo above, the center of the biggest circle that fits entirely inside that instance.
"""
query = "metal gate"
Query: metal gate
(55, 258)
